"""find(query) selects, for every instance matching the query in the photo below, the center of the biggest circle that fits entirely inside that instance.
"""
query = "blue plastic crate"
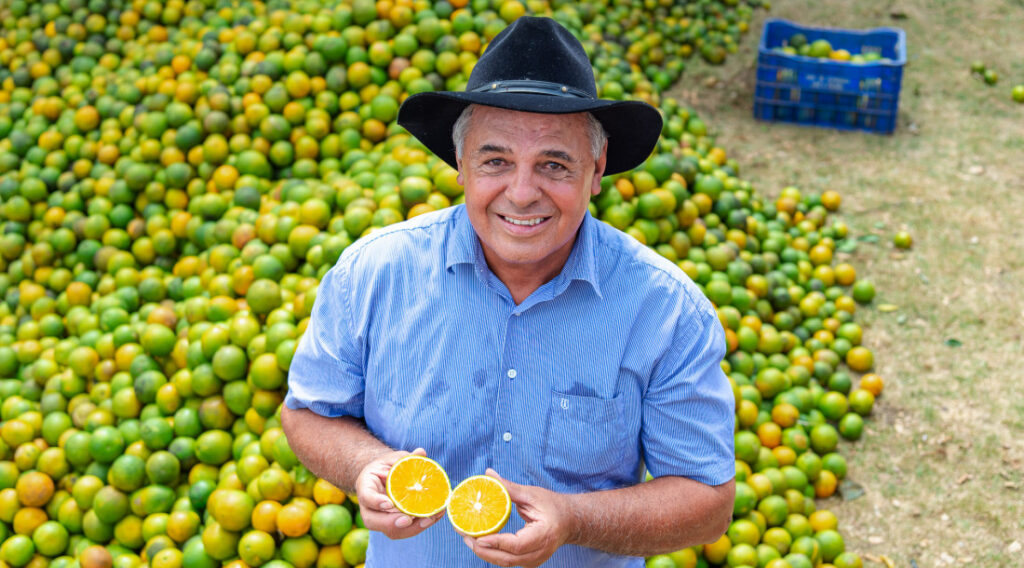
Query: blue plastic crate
(826, 93)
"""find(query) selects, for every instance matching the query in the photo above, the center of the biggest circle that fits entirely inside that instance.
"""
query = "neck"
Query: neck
(523, 283)
(524, 279)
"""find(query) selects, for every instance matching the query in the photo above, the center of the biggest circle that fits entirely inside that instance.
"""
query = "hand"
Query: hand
(548, 525)
(379, 513)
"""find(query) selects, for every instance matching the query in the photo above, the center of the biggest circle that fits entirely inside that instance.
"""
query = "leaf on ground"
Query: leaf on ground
(850, 490)
(953, 342)
(879, 225)
(882, 559)
(868, 238)
(888, 307)
(847, 245)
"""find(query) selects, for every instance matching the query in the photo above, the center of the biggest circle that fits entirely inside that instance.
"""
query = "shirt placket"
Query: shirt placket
(509, 374)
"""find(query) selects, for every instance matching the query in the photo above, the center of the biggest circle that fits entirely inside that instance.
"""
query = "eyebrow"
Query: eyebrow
(495, 149)
(560, 155)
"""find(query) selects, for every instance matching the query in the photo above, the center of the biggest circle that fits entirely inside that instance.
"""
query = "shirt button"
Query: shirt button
(507, 436)
(511, 373)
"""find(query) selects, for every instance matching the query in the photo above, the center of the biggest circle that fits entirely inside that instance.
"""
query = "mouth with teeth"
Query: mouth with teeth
(525, 222)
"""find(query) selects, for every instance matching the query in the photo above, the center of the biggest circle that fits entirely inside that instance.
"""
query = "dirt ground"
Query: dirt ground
(942, 460)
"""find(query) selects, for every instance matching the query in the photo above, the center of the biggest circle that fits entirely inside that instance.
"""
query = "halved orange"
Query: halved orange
(479, 506)
(418, 486)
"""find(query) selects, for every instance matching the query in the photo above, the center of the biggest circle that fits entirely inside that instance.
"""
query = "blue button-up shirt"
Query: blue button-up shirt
(610, 368)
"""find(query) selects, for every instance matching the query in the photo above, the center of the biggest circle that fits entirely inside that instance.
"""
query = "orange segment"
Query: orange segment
(418, 486)
(479, 506)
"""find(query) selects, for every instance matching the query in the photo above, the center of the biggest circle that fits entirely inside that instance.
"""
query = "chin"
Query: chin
(520, 256)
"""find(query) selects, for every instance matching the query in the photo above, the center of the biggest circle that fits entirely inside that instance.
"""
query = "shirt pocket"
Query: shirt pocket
(585, 440)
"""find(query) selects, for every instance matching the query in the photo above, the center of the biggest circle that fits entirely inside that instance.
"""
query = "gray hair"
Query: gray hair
(595, 131)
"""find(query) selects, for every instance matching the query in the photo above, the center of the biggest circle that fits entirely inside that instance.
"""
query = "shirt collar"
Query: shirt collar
(462, 244)
(582, 262)
(464, 248)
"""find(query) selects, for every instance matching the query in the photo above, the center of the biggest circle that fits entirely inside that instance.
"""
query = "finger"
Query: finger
(391, 524)
(397, 534)
(427, 521)
(494, 474)
(379, 470)
(377, 520)
(372, 483)
(420, 452)
(519, 494)
(500, 557)
(374, 500)
(373, 496)
(389, 460)
(374, 476)
(380, 483)
(378, 502)
(529, 539)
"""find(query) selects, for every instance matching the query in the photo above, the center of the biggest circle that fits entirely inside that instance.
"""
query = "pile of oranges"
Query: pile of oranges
(176, 177)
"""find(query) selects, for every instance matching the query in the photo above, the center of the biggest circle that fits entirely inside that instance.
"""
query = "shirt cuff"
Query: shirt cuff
(325, 409)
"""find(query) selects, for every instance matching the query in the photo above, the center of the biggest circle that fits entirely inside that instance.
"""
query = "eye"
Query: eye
(553, 167)
(495, 162)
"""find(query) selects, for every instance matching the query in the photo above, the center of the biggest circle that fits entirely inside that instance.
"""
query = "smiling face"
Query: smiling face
(528, 179)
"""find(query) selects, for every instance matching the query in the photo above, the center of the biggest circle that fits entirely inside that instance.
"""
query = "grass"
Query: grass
(941, 460)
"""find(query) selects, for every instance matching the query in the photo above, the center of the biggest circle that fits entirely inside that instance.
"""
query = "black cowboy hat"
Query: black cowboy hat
(535, 65)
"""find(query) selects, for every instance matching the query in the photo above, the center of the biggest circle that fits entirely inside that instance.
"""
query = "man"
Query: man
(519, 336)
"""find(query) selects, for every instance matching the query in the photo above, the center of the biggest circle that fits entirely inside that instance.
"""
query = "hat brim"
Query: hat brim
(633, 127)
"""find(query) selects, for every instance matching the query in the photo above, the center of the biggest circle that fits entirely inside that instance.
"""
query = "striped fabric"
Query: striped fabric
(611, 367)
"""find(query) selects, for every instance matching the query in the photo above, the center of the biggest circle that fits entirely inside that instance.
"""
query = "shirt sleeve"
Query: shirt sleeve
(689, 408)
(326, 374)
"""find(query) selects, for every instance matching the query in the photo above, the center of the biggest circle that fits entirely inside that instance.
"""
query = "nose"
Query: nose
(523, 189)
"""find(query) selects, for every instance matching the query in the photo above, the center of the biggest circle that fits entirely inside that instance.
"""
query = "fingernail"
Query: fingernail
(424, 523)
(468, 541)
(483, 544)
(403, 522)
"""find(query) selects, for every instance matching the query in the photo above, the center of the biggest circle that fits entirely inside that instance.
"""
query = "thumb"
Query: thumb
(519, 494)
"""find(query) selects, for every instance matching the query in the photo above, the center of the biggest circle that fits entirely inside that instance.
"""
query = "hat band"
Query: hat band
(532, 88)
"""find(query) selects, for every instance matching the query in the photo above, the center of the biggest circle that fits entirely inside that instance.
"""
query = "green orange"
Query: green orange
(256, 548)
(353, 546)
(263, 296)
(330, 524)
(219, 543)
(17, 550)
(127, 473)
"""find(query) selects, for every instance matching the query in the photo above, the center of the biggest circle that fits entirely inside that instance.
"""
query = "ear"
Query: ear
(458, 166)
(599, 167)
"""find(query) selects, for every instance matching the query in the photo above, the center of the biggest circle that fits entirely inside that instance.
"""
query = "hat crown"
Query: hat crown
(535, 49)
(534, 65)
